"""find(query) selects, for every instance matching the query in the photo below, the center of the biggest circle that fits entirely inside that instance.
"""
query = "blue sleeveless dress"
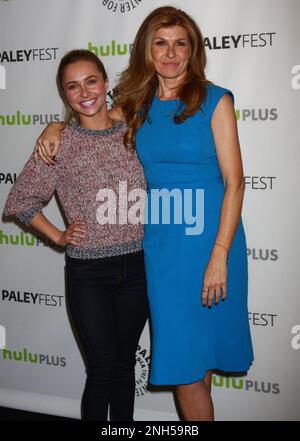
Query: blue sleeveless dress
(187, 338)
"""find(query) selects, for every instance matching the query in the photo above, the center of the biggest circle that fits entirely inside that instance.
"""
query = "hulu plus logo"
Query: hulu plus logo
(266, 114)
(25, 239)
(21, 119)
(2, 77)
(245, 384)
(26, 356)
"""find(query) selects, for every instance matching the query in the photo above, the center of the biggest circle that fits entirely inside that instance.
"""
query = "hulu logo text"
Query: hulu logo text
(111, 49)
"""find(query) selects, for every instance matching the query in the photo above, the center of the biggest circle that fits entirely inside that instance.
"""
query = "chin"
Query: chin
(90, 113)
(169, 75)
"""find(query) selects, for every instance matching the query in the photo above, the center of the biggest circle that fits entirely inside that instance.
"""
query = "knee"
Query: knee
(100, 373)
(124, 369)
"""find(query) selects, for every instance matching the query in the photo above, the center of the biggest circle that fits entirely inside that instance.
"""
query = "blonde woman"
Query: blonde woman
(106, 284)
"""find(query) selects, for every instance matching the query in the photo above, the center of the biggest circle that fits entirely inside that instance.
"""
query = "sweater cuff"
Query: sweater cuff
(28, 215)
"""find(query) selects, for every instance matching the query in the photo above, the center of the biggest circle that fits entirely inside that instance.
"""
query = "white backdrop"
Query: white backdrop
(252, 49)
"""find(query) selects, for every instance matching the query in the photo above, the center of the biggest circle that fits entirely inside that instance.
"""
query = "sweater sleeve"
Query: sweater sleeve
(33, 188)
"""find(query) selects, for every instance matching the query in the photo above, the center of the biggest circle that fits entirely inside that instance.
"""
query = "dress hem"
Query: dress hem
(233, 372)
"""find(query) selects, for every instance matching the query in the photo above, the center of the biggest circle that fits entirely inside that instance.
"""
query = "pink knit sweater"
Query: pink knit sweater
(88, 161)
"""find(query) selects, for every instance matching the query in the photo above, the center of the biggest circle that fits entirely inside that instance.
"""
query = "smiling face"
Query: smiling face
(85, 88)
(171, 52)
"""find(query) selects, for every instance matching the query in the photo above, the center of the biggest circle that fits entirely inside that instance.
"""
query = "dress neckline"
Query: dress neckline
(166, 101)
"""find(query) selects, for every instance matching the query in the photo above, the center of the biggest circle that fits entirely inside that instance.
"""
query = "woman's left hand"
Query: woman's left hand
(215, 278)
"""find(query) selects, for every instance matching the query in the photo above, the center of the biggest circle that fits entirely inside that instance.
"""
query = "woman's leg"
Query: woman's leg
(90, 287)
(131, 311)
(195, 400)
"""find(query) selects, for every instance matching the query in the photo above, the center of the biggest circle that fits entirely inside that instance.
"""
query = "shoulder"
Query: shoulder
(214, 93)
(67, 134)
(68, 139)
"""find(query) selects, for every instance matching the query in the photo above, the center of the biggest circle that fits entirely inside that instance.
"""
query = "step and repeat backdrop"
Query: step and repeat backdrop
(252, 49)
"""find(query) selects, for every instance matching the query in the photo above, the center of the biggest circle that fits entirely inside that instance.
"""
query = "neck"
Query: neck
(97, 122)
(168, 87)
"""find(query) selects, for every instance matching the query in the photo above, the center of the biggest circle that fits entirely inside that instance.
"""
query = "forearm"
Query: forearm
(54, 127)
(230, 214)
(41, 224)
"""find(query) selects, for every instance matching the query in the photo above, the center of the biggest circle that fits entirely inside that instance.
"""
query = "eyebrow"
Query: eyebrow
(163, 38)
(87, 78)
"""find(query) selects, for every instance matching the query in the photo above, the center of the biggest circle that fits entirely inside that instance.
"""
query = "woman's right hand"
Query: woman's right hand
(48, 144)
(75, 232)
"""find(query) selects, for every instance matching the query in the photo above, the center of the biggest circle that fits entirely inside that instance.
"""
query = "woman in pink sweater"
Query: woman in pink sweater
(106, 288)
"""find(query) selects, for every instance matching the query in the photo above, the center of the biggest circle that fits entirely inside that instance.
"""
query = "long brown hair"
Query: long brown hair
(70, 58)
(138, 83)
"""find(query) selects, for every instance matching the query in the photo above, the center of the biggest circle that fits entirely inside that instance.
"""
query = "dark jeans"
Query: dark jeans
(107, 302)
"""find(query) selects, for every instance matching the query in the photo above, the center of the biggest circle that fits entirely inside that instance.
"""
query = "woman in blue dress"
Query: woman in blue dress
(185, 132)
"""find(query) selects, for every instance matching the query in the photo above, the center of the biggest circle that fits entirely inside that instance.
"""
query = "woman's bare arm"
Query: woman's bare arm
(224, 128)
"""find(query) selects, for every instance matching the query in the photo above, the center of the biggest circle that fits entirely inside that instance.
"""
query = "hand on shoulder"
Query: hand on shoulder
(116, 113)
(48, 144)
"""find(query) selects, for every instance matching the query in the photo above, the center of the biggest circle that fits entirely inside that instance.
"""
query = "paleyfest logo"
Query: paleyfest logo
(2, 77)
(121, 6)
(141, 371)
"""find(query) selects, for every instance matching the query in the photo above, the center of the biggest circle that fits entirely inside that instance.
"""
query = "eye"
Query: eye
(181, 43)
(92, 81)
(71, 87)
(159, 43)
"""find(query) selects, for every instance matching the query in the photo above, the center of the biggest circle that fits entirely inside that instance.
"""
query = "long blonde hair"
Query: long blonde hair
(138, 83)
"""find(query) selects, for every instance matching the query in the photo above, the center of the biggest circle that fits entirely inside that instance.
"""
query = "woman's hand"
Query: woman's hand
(73, 234)
(116, 113)
(48, 144)
(215, 278)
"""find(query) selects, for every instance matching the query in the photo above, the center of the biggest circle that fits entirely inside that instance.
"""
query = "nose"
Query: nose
(171, 52)
(84, 91)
